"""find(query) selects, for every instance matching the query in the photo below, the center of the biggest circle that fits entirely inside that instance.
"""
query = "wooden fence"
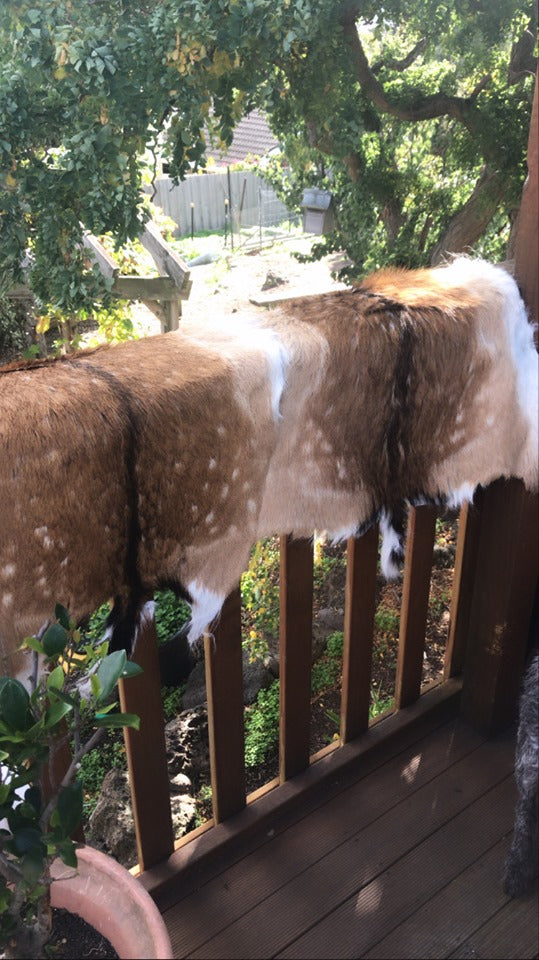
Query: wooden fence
(210, 201)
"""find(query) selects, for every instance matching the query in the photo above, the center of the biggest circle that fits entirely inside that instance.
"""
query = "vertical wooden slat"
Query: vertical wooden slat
(502, 602)
(527, 238)
(415, 601)
(360, 604)
(224, 685)
(508, 555)
(463, 582)
(296, 627)
(146, 753)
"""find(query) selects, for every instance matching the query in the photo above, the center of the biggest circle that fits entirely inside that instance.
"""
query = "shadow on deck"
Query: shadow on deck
(398, 855)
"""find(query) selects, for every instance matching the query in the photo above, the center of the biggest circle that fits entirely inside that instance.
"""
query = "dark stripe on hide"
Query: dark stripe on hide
(399, 425)
(124, 616)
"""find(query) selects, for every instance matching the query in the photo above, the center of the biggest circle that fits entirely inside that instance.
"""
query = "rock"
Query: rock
(256, 676)
(272, 280)
(443, 556)
(176, 660)
(327, 621)
(195, 690)
(110, 827)
(188, 752)
(203, 258)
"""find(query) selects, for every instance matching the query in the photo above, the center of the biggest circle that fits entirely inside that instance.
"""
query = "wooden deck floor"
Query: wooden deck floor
(401, 857)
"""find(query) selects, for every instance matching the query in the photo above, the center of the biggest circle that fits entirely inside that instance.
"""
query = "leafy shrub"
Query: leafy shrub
(260, 596)
(262, 726)
(327, 670)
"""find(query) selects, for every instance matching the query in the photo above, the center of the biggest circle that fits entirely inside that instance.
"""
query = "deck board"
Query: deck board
(390, 865)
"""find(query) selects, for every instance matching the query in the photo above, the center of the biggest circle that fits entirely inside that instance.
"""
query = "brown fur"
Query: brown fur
(161, 461)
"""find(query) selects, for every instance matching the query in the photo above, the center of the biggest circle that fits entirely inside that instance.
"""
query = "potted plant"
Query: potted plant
(40, 864)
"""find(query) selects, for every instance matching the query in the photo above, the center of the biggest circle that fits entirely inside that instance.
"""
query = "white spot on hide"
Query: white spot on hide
(7, 600)
(8, 571)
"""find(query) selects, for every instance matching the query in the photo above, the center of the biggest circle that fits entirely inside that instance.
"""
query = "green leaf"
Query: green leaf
(67, 853)
(131, 670)
(32, 866)
(62, 615)
(33, 643)
(55, 640)
(109, 672)
(65, 697)
(26, 839)
(69, 807)
(55, 679)
(55, 713)
(14, 704)
(95, 684)
(116, 720)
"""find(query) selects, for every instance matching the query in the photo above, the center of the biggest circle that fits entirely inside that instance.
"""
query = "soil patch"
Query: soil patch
(73, 937)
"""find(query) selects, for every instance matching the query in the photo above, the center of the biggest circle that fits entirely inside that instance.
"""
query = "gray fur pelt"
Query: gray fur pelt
(522, 864)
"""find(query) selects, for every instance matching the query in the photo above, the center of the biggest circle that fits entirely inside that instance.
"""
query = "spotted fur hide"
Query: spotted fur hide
(160, 462)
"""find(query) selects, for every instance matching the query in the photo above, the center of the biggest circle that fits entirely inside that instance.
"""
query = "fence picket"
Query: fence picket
(146, 753)
(224, 684)
(296, 628)
(360, 602)
(415, 601)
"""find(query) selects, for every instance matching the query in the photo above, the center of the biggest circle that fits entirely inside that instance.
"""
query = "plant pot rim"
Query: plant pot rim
(110, 899)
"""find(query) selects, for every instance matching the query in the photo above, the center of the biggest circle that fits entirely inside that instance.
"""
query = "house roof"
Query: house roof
(251, 136)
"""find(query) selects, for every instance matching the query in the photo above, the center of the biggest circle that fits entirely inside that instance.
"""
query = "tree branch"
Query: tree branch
(69, 774)
(470, 222)
(522, 61)
(421, 107)
(400, 65)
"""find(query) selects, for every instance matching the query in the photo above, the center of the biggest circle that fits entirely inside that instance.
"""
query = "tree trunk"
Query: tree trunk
(468, 225)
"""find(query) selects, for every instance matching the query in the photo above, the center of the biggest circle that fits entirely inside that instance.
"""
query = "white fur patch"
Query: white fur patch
(390, 542)
(463, 494)
(344, 533)
(249, 333)
(205, 608)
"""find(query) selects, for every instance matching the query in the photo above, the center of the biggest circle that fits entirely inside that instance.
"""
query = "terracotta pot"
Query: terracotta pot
(109, 898)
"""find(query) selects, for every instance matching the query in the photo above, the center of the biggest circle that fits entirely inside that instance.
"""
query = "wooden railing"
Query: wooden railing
(146, 748)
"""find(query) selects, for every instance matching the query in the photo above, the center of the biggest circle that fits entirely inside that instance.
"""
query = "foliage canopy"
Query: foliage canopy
(413, 112)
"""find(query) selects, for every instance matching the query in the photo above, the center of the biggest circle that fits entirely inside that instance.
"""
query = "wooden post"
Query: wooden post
(415, 601)
(146, 753)
(507, 559)
(360, 604)
(463, 582)
(224, 685)
(296, 633)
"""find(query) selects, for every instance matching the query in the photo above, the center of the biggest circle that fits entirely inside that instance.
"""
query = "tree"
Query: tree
(413, 112)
